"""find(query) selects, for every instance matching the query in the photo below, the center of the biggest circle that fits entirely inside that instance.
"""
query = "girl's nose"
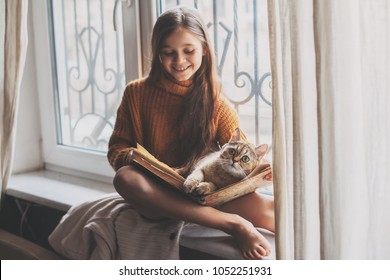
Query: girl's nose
(180, 58)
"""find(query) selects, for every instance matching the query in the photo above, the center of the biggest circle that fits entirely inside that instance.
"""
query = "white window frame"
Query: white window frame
(73, 161)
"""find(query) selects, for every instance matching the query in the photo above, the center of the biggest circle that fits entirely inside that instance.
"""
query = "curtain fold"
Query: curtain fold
(13, 33)
(331, 111)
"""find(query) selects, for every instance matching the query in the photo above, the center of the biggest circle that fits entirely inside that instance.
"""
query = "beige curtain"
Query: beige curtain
(331, 115)
(13, 42)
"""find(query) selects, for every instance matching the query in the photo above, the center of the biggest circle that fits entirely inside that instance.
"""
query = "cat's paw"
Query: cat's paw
(203, 188)
(190, 184)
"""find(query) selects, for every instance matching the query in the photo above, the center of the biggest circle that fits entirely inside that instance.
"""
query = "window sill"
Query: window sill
(55, 190)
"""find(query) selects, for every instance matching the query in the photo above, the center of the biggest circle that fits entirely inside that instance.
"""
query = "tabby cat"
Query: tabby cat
(232, 163)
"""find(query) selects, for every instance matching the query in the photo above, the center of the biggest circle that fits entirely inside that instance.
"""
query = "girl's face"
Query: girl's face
(181, 54)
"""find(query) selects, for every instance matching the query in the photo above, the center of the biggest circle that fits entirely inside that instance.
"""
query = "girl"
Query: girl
(177, 113)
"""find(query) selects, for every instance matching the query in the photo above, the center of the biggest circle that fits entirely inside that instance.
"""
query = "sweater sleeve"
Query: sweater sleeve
(127, 130)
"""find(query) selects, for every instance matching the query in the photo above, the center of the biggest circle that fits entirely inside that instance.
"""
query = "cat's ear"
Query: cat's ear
(261, 150)
(236, 135)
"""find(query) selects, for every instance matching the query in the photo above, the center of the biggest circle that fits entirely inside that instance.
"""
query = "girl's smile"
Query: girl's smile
(179, 69)
(182, 54)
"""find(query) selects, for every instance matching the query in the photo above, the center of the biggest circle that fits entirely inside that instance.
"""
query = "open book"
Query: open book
(141, 157)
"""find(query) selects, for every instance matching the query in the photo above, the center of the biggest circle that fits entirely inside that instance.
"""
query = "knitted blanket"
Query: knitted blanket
(109, 228)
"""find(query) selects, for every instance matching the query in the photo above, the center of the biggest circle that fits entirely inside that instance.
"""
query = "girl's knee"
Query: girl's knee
(127, 181)
(268, 206)
(121, 177)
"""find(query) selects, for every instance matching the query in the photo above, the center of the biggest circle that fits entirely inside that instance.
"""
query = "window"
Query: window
(90, 77)
(86, 51)
(84, 65)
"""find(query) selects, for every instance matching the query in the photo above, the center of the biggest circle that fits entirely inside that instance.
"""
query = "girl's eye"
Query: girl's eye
(232, 152)
(245, 158)
(168, 53)
(189, 51)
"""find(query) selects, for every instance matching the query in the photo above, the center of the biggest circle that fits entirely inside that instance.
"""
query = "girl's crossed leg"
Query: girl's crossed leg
(156, 202)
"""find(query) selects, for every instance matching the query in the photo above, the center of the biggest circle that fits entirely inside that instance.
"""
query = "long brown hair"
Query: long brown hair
(196, 124)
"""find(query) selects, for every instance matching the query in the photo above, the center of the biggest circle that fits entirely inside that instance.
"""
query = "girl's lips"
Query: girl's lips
(180, 69)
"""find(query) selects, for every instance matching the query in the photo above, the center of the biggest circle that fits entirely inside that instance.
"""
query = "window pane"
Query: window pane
(89, 70)
(239, 30)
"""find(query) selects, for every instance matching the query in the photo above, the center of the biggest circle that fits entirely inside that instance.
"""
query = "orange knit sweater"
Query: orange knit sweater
(148, 115)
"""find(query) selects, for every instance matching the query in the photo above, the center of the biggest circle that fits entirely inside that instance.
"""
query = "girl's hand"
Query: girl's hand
(268, 177)
(179, 170)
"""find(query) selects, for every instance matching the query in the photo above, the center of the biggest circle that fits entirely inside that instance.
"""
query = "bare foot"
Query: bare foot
(252, 243)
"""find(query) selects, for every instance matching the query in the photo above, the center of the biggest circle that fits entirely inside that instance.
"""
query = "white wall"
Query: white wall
(28, 152)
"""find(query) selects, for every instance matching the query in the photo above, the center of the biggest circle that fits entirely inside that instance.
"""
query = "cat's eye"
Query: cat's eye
(245, 158)
(232, 152)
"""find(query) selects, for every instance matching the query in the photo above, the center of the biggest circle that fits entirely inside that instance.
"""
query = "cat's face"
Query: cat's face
(242, 157)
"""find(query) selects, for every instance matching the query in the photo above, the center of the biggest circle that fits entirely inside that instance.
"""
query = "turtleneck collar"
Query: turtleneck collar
(171, 85)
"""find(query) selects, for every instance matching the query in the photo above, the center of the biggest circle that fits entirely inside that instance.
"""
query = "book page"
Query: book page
(152, 158)
(158, 164)
(258, 170)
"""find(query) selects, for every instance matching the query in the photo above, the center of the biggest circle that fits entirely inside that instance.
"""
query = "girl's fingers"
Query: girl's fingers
(257, 255)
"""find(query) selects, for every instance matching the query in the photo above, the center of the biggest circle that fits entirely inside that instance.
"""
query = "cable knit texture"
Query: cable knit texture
(149, 114)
